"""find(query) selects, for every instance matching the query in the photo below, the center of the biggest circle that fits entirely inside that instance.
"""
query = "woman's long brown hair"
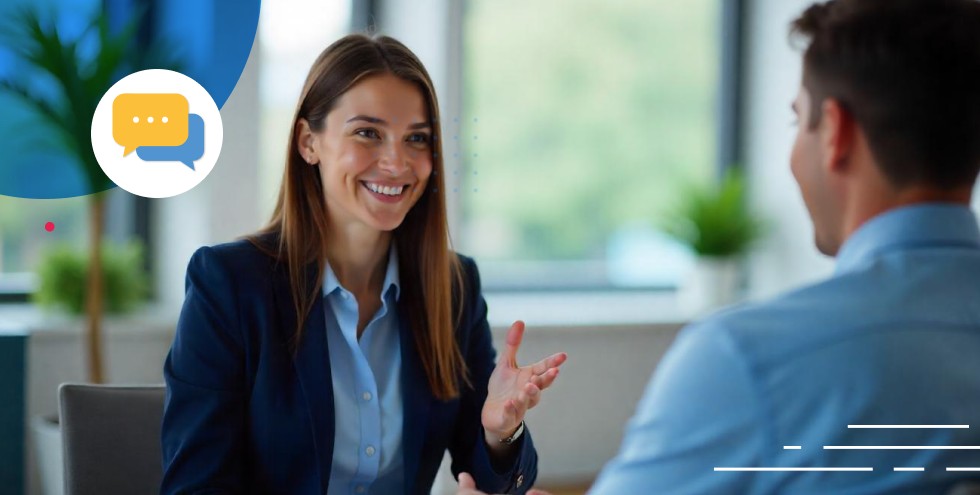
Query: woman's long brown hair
(429, 271)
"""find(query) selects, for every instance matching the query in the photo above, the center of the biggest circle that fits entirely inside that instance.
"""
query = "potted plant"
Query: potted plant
(81, 76)
(81, 79)
(62, 275)
(63, 271)
(715, 222)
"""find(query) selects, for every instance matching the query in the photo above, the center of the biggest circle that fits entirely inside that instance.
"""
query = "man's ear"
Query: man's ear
(306, 142)
(837, 134)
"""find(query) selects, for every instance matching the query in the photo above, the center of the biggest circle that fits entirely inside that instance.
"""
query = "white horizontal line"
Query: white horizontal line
(910, 469)
(963, 469)
(902, 447)
(793, 469)
(908, 426)
(792, 447)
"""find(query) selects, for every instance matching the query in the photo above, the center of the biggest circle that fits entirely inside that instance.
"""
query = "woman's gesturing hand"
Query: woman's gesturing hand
(513, 390)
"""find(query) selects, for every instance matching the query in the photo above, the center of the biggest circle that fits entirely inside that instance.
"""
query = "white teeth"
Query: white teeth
(386, 190)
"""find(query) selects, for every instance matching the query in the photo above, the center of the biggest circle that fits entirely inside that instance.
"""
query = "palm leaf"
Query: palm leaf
(80, 82)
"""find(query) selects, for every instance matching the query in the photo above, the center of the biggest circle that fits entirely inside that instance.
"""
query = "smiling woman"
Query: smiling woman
(344, 348)
(378, 143)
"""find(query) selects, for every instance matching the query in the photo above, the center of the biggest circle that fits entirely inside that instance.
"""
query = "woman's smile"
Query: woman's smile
(386, 192)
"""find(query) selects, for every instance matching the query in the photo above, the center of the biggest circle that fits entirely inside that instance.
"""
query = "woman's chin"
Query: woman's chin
(384, 222)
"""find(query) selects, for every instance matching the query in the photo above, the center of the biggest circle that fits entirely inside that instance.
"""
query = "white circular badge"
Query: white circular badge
(157, 133)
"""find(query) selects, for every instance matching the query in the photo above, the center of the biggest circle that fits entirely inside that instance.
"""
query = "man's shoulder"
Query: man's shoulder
(790, 322)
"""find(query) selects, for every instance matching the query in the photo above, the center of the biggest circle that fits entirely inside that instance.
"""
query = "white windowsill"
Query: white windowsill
(540, 309)
(584, 309)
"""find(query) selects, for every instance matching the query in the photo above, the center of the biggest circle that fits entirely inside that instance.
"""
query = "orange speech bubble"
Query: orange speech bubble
(149, 120)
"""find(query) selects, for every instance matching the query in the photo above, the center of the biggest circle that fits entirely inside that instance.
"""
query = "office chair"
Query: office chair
(111, 438)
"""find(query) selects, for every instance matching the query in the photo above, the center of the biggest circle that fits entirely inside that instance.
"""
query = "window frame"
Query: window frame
(728, 128)
(127, 216)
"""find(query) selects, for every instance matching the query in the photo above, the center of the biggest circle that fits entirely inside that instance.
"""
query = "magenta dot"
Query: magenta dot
(49, 226)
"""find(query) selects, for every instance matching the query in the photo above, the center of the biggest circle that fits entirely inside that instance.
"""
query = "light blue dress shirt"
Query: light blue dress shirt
(367, 454)
(892, 339)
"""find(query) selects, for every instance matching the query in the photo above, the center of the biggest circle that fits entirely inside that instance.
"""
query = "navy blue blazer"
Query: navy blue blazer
(242, 415)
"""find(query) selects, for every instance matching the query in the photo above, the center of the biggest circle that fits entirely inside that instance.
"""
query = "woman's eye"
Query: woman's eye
(419, 138)
(368, 133)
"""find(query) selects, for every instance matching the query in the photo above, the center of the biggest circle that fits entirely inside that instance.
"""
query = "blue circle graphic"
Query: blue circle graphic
(208, 40)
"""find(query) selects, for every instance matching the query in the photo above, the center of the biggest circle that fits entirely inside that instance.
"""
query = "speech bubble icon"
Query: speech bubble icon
(149, 119)
(192, 148)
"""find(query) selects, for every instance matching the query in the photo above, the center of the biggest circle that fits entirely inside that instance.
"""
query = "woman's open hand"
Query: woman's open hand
(513, 390)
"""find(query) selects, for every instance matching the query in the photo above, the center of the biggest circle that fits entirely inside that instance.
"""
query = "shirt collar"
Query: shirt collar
(391, 281)
(923, 224)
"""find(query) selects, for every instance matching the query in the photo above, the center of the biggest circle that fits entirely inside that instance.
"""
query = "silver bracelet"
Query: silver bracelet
(517, 434)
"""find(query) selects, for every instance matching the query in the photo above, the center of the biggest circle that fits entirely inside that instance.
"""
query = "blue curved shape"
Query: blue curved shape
(215, 39)
(212, 38)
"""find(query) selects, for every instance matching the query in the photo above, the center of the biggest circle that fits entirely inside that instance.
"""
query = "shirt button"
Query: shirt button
(520, 480)
(369, 451)
(366, 396)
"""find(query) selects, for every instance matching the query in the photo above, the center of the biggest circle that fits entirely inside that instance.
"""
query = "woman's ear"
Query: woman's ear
(306, 142)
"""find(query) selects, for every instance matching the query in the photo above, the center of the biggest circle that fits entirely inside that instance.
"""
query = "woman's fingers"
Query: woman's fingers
(520, 404)
(544, 381)
(553, 361)
(514, 337)
(527, 398)
(534, 395)
(466, 482)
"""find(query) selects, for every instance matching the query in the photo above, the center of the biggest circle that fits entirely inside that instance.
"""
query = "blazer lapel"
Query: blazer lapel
(312, 364)
(416, 400)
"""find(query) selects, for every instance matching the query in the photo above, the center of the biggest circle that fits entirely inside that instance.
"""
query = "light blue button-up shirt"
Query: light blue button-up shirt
(367, 454)
(891, 340)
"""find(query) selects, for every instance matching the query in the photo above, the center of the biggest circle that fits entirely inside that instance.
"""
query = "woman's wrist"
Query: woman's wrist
(493, 436)
(506, 438)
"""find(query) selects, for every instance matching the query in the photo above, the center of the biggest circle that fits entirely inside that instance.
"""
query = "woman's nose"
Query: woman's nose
(393, 159)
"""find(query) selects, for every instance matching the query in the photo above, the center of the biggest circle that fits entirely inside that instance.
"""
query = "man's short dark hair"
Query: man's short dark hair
(908, 72)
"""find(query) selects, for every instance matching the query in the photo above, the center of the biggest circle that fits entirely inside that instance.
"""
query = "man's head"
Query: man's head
(889, 108)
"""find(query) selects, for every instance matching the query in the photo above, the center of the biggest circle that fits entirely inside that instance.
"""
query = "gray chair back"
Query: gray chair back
(965, 488)
(111, 438)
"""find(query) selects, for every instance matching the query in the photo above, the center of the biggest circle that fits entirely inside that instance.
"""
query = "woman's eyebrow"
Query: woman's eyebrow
(375, 120)
(365, 118)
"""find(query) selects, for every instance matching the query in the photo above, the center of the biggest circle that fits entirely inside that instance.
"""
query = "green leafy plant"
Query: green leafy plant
(63, 272)
(81, 79)
(715, 220)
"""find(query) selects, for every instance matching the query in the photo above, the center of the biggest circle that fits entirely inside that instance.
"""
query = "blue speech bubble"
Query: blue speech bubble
(191, 150)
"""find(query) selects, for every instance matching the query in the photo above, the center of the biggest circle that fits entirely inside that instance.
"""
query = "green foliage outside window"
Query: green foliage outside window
(582, 117)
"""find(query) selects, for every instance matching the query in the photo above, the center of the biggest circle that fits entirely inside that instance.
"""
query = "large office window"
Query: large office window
(292, 34)
(583, 120)
(23, 236)
(29, 226)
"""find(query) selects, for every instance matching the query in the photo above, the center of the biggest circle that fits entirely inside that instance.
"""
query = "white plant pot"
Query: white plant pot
(712, 283)
(50, 460)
